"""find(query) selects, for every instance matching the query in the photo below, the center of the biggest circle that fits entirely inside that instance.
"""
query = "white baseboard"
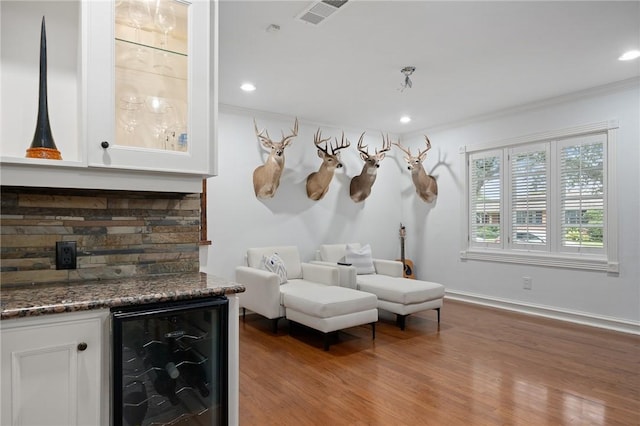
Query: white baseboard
(609, 323)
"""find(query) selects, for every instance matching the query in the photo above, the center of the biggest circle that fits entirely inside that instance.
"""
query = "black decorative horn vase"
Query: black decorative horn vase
(43, 145)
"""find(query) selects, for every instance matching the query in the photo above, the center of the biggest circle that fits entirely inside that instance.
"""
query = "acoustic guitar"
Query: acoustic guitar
(406, 263)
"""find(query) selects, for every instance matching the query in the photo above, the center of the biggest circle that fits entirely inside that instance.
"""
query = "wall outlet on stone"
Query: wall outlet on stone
(66, 255)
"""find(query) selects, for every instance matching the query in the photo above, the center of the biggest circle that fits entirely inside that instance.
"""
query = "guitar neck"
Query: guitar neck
(407, 264)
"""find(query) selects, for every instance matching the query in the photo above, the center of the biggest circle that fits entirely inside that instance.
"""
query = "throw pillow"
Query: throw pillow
(275, 264)
(343, 261)
(360, 259)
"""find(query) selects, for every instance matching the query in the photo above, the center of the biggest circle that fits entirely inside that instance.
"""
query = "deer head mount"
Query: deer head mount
(266, 178)
(360, 187)
(426, 185)
(318, 182)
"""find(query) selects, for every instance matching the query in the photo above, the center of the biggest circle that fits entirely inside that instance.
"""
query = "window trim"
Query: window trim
(608, 261)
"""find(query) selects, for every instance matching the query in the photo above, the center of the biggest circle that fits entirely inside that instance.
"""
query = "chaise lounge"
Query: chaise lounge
(278, 285)
(384, 278)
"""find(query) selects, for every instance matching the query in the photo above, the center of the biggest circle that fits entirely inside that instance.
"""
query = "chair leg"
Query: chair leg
(401, 321)
(373, 331)
(327, 336)
(438, 310)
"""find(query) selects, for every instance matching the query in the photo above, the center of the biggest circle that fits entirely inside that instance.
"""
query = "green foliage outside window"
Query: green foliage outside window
(488, 233)
(591, 233)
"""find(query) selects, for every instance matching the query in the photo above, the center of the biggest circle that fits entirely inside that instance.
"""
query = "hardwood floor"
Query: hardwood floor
(481, 366)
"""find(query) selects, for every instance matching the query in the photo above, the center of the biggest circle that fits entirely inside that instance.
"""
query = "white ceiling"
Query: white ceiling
(471, 58)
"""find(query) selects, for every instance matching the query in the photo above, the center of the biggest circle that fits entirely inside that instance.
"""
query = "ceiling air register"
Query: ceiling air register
(319, 11)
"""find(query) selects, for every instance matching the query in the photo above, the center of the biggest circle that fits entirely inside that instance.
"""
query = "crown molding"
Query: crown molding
(530, 106)
(267, 115)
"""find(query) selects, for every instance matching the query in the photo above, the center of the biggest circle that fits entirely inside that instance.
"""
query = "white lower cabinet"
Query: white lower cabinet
(54, 370)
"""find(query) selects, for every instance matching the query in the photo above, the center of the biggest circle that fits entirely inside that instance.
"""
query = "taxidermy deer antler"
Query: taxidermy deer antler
(426, 185)
(318, 182)
(266, 178)
(360, 187)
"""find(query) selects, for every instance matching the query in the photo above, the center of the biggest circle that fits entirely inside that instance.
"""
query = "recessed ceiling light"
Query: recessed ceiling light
(630, 55)
(248, 87)
(405, 119)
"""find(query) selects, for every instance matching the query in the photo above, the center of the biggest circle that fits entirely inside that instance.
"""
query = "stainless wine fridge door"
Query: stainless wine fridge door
(170, 363)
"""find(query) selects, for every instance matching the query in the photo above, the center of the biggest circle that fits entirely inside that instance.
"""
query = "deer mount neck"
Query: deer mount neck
(425, 184)
(360, 187)
(266, 178)
(318, 182)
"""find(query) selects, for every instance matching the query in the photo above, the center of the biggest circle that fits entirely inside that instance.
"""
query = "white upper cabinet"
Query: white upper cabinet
(149, 95)
(131, 91)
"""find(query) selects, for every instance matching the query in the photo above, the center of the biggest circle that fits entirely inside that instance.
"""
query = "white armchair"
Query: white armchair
(311, 294)
(262, 294)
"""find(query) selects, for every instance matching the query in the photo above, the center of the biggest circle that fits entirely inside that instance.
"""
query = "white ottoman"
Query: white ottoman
(328, 308)
(403, 296)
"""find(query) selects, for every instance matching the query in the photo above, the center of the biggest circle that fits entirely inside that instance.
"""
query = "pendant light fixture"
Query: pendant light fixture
(407, 83)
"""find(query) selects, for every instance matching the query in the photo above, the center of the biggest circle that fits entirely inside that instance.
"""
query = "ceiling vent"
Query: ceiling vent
(321, 10)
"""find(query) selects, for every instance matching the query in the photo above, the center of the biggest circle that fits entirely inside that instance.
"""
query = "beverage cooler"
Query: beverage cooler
(170, 363)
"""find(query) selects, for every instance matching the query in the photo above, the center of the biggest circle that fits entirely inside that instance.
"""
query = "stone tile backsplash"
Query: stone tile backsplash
(117, 233)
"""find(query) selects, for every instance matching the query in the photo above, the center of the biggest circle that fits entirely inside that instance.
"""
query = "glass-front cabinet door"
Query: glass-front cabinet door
(150, 98)
(151, 74)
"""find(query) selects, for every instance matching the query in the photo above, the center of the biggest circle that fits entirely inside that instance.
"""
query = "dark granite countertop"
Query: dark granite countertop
(42, 299)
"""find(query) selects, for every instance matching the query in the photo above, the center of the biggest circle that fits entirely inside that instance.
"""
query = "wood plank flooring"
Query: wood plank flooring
(480, 366)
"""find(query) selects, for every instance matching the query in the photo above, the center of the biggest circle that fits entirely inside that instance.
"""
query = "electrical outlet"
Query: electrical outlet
(526, 283)
(66, 255)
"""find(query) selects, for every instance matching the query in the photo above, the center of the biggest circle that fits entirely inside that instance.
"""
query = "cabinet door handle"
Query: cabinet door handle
(104, 144)
(82, 346)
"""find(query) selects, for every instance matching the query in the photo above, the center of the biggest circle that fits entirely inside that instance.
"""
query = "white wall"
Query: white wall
(238, 220)
(434, 238)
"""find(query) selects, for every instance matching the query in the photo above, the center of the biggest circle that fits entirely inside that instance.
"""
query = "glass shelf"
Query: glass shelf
(151, 60)
(133, 43)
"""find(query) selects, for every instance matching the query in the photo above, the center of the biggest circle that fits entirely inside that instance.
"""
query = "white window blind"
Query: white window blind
(485, 198)
(582, 195)
(529, 196)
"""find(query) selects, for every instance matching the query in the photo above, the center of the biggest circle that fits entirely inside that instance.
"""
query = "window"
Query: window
(582, 193)
(529, 197)
(485, 197)
(529, 217)
(574, 216)
(544, 199)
